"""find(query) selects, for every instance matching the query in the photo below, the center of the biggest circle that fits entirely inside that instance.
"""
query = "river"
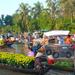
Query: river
(19, 49)
(9, 72)
(50, 72)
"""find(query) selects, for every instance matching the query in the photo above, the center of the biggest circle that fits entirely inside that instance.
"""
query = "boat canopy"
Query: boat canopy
(57, 33)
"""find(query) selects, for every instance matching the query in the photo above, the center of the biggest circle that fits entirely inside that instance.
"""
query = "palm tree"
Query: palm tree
(36, 10)
(68, 8)
(52, 6)
(23, 12)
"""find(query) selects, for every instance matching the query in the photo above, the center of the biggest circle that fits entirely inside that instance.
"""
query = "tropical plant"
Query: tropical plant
(68, 9)
(16, 60)
(8, 20)
(35, 13)
(53, 11)
(23, 17)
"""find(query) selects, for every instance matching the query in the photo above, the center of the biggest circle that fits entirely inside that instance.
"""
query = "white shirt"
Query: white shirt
(39, 54)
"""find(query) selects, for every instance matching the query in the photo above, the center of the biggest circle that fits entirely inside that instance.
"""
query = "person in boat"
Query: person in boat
(9, 41)
(45, 40)
(40, 52)
(60, 40)
(39, 59)
(28, 51)
(36, 45)
(68, 40)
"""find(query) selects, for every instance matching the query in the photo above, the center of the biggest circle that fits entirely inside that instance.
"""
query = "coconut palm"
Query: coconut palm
(36, 10)
(23, 12)
(68, 8)
(53, 10)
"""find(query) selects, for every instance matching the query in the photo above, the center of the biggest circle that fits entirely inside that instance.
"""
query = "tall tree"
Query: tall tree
(68, 8)
(23, 12)
(8, 20)
(2, 19)
(53, 9)
(36, 10)
(44, 21)
(1, 23)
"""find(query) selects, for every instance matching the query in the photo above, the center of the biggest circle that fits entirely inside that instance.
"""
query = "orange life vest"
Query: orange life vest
(68, 41)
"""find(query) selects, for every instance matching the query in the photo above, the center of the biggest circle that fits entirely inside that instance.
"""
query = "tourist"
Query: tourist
(36, 45)
(60, 40)
(40, 52)
(28, 51)
(68, 40)
(45, 40)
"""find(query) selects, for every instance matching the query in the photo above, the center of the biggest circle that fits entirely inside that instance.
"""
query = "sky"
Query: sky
(8, 7)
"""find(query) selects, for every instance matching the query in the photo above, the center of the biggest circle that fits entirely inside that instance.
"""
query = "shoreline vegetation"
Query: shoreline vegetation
(57, 15)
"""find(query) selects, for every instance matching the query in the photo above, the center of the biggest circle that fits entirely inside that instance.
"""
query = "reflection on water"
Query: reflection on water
(15, 48)
(51, 72)
(9, 72)
(18, 48)
(57, 72)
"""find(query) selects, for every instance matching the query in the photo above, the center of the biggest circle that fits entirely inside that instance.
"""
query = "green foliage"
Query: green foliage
(44, 21)
(64, 64)
(8, 20)
(57, 15)
(13, 28)
(17, 60)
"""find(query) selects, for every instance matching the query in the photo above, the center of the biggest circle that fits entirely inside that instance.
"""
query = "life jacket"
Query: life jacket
(68, 41)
